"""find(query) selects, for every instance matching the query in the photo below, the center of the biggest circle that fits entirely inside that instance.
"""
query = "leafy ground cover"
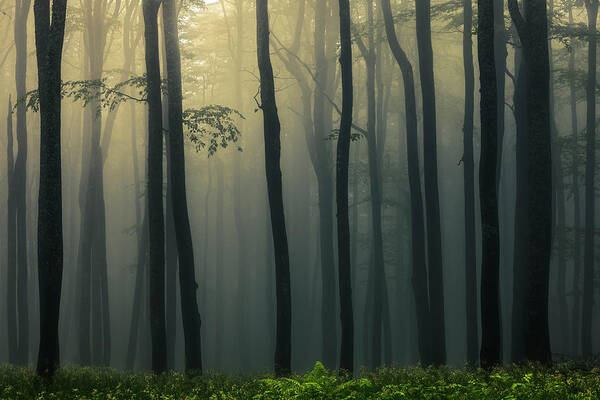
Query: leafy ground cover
(560, 382)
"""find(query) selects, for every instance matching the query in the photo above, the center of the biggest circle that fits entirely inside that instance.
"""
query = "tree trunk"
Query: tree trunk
(11, 247)
(521, 215)
(491, 349)
(323, 171)
(533, 32)
(19, 179)
(219, 266)
(49, 36)
(419, 265)
(343, 222)
(155, 182)
(558, 227)
(575, 176)
(590, 172)
(185, 250)
(432, 206)
(469, 189)
(274, 188)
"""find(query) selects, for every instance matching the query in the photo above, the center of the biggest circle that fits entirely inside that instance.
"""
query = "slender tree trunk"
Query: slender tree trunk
(343, 222)
(500, 54)
(49, 36)
(155, 182)
(419, 265)
(185, 250)
(19, 179)
(521, 215)
(469, 189)
(491, 349)
(243, 272)
(432, 206)
(11, 246)
(219, 266)
(134, 328)
(274, 188)
(533, 32)
(325, 188)
(575, 173)
(590, 172)
(558, 227)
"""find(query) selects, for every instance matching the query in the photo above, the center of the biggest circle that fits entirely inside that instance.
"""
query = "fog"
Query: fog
(228, 206)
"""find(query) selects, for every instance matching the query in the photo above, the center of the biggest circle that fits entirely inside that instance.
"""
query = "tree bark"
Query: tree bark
(533, 32)
(343, 222)
(19, 179)
(155, 182)
(274, 188)
(432, 206)
(49, 36)
(185, 250)
(491, 349)
(469, 189)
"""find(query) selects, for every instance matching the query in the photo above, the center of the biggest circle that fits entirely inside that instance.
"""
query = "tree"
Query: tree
(272, 139)
(432, 206)
(19, 180)
(378, 268)
(343, 222)
(49, 37)
(491, 349)
(11, 245)
(155, 182)
(419, 264)
(469, 188)
(590, 172)
(532, 28)
(323, 76)
(575, 176)
(185, 250)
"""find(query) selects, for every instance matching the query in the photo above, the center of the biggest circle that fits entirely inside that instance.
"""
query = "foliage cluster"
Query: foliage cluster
(531, 382)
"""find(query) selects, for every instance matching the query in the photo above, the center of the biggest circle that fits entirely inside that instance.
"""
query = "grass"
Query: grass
(565, 381)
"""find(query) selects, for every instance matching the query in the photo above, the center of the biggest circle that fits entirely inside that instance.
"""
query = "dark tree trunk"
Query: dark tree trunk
(575, 176)
(185, 250)
(322, 158)
(500, 54)
(49, 36)
(491, 349)
(469, 189)
(432, 206)
(377, 310)
(170, 235)
(155, 182)
(138, 294)
(274, 188)
(533, 32)
(419, 265)
(558, 228)
(11, 246)
(343, 222)
(521, 215)
(590, 196)
(19, 179)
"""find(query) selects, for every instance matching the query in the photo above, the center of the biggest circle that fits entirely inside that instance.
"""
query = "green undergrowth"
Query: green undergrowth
(564, 381)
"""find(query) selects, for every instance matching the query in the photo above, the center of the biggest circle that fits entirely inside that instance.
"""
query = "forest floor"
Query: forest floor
(564, 381)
